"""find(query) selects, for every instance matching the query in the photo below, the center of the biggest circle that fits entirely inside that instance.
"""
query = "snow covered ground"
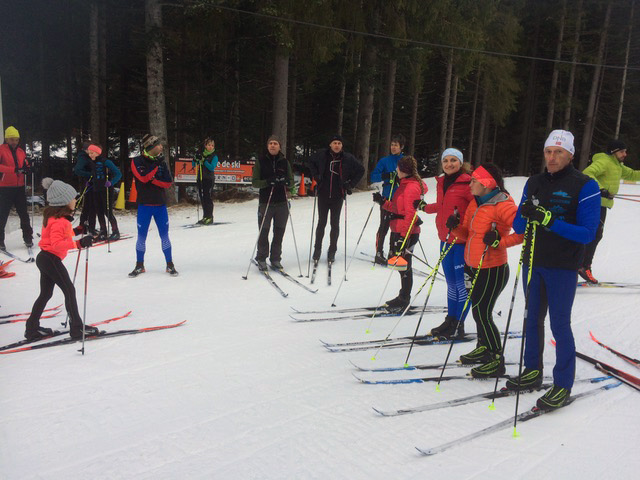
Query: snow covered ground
(243, 392)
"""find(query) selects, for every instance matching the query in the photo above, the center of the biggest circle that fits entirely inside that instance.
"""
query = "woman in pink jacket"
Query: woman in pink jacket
(453, 197)
(405, 226)
(57, 240)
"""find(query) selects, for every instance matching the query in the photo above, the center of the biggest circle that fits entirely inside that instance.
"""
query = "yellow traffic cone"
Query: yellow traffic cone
(120, 199)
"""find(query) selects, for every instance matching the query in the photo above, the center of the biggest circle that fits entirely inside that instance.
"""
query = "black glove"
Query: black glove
(537, 213)
(378, 198)
(492, 238)
(396, 247)
(271, 181)
(348, 189)
(419, 204)
(453, 221)
(606, 194)
(280, 181)
(85, 242)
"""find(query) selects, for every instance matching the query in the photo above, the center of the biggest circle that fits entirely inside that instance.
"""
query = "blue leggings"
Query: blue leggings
(553, 289)
(453, 266)
(161, 216)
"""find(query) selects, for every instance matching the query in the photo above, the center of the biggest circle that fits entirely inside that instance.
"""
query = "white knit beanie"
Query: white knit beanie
(561, 138)
(58, 193)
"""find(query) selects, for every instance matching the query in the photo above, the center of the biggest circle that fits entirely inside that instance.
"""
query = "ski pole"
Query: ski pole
(404, 241)
(524, 321)
(492, 406)
(84, 309)
(464, 307)
(345, 237)
(108, 216)
(264, 217)
(355, 250)
(426, 300)
(627, 198)
(293, 232)
(32, 197)
(75, 273)
(313, 219)
(431, 277)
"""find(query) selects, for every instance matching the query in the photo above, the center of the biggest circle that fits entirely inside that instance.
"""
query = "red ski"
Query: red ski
(633, 361)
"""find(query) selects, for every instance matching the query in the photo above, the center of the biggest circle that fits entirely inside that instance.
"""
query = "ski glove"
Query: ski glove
(606, 193)
(348, 189)
(85, 242)
(378, 198)
(453, 221)
(492, 238)
(419, 204)
(537, 214)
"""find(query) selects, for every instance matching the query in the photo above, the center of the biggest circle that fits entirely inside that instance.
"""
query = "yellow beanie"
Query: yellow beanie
(11, 132)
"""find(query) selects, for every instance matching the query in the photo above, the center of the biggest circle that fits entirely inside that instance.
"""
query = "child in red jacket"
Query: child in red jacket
(57, 240)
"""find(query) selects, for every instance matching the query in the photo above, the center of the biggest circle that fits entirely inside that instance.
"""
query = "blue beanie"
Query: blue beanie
(454, 152)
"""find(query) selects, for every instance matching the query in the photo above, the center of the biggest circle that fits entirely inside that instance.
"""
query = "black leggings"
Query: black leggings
(385, 221)
(53, 272)
(326, 205)
(205, 190)
(406, 276)
(487, 289)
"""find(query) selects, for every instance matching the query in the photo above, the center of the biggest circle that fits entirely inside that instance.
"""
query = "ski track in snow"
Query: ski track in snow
(242, 392)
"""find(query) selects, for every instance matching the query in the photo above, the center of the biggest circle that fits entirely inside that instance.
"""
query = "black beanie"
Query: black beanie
(336, 137)
(614, 145)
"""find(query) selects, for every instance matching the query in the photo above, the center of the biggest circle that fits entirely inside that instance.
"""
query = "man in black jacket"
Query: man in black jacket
(272, 174)
(337, 173)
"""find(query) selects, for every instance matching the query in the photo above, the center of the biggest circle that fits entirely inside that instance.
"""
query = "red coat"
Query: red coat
(57, 237)
(8, 175)
(408, 191)
(458, 195)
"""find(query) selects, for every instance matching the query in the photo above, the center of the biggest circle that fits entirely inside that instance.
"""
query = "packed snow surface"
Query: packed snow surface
(241, 391)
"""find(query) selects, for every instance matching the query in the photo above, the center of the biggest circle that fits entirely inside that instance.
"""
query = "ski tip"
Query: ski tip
(379, 412)
(425, 452)
(592, 336)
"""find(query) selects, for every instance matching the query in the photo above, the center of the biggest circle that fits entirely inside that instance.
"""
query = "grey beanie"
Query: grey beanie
(58, 193)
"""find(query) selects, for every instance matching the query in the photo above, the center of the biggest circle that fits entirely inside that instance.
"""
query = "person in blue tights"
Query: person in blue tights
(559, 214)
(152, 178)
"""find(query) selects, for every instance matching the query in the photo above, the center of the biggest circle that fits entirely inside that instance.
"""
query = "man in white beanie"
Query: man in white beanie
(13, 167)
(559, 214)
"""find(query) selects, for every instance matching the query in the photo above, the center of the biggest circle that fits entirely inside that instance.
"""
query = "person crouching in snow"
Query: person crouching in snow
(57, 240)
(405, 226)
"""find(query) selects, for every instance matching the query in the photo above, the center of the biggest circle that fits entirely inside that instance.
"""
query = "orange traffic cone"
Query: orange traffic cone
(133, 193)
(302, 190)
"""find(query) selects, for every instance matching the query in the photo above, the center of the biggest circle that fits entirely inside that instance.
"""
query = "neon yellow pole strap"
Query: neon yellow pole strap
(547, 217)
(415, 215)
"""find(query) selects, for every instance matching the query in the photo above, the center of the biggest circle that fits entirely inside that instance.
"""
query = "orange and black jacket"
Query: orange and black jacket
(152, 179)
(478, 219)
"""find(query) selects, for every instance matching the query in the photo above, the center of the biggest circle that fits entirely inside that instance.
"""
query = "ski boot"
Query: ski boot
(530, 379)
(556, 397)
(38, 333)
(586, 274)
(397, 304)
(380, 258)
(171, 270)
(491, 369)
(479, 354)
(276, 264)
(114, 237)
(137, 270)
(262, 265)
(76, 332)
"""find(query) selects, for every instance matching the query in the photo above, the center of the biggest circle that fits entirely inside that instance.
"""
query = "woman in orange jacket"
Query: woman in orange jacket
(405, 226)
(487, 231)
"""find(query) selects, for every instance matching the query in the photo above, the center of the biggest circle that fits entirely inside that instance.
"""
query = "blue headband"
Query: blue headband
(454, 152)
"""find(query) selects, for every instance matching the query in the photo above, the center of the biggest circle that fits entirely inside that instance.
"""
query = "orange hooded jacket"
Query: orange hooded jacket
(501, 210)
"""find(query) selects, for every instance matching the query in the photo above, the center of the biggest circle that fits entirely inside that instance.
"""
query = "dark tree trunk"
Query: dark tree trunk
(572, 74)
(445, 102)
(365, 115)
(388, 105)
(280, 92)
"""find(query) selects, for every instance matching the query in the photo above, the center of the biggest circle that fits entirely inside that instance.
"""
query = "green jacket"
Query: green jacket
(607, 171)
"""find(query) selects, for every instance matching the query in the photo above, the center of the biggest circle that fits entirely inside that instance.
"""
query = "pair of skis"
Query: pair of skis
(358, 313)
(26, 345)
(315, 270)
(275, 285)
(30, 259)
(198, 225)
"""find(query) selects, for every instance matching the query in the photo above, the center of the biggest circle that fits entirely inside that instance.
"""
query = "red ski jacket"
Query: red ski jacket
(402, 204)
(57, 237)
(8, 175)
(458, 196)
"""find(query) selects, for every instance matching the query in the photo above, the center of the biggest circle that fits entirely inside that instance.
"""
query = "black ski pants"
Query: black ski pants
(53, 272)
(487, 289)
(88, 214)
(278, 214)
(385, 221)
(15, 197)
(104, 208)
(590, 250)
(406, 276)
(205, 191)
(326, 205)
